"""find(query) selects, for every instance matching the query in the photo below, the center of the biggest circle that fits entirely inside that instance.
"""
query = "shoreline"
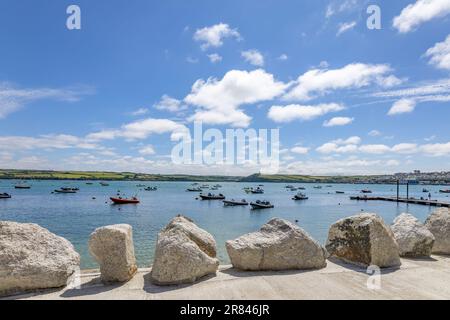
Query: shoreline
(415, 279)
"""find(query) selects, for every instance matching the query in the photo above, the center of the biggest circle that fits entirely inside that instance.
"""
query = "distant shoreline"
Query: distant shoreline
(12, 174)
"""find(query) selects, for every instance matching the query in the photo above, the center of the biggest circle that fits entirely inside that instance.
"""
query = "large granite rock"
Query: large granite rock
(413, 238)
(184, 253)
(364, 240)
(112, 247)
(33, 258)
(439, 225)
(279, 245)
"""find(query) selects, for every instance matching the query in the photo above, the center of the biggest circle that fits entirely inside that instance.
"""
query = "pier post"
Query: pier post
(398, 189)
(407, 190)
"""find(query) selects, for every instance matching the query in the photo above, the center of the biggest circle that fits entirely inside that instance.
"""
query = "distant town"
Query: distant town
(415, 177)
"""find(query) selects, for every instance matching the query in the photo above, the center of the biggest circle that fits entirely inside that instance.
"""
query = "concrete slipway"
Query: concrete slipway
(416, 279)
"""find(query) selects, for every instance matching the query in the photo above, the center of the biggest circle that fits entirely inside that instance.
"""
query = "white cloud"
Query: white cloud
(283, 57)
(300, 150)
(213, 36)
(140, 112)
(293, 112)
(440, 54)
(374, 148)
(352, 76)
(436, 149)
(422, 11)
(13, 99)
(338, 121)
(253, 57)
(402, 106)
(147, 150)
(219, 101)
(340, 145)
(192, 60)
(141, 129)
(405, 148)
(344, 27)
(374, 133)
(46, 142)
(214, 57)
(168, 103)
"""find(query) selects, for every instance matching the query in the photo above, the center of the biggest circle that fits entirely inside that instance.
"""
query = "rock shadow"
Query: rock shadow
(151, 287)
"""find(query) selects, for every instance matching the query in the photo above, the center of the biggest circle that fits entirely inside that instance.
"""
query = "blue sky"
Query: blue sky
(111, 96)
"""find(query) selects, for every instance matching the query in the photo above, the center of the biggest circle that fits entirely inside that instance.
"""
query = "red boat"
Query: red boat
(119, 200)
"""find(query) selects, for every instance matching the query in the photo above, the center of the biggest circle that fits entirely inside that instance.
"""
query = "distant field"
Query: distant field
(127, 176)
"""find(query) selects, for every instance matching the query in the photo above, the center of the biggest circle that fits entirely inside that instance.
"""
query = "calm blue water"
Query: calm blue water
(75, 216)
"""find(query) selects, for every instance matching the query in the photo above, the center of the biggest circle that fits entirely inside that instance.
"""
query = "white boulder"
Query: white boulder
(279, 245)
(33, 258)
(364, 240)
(112, 247)
(439, 225)
(413, 238)
(184, 253)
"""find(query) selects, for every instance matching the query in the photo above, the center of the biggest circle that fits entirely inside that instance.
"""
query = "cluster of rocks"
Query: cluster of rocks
(32, 258)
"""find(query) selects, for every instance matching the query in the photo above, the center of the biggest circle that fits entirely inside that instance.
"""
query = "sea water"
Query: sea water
(75, 216)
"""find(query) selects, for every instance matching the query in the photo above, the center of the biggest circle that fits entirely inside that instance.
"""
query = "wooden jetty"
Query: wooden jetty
(425, 202)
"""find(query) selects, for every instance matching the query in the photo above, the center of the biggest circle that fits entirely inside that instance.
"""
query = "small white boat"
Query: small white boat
(196, 189)
(211, 196)
(5, 196)
(300, 196)
(234, 203)
(257, 205)
(257, 191)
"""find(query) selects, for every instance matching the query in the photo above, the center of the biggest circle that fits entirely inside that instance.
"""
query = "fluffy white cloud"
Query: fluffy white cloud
(402, 106)
(213, 36)
(440, 54)
(12, 98)
(422, 11)
(283, 57)
(405, 148)
(300, 150)
(338, 121)
(140, 112)
(253, 57)
(436, 149)
(46, 142)
(214, 57)
(355, 75)
(147, 150)
(219, 101)
(340, 146)
(293, 112)
(344, 27)
(141, 129)
(374, 133)
(170, 104)
(374, 148)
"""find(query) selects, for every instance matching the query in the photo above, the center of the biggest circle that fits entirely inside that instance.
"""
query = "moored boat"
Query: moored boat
(233, 203)
(425, 190)
(22, 186)
(340, 192)
(261, 205)
(121, 200)
(194, 189)
(211, 196)
(258, 190)
(444, 191)
(366, 191)
(104, 184)
(64, 190)
(151, 189)
(300, 196)
(5, 196)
